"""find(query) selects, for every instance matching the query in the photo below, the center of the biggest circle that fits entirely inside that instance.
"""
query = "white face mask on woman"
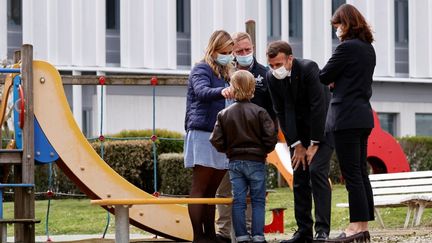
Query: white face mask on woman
(339, 33)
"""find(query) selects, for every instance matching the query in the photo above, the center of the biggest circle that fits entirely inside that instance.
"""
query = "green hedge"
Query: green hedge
(168, 142)
(176, 180)
(417, 149)
(133, 159)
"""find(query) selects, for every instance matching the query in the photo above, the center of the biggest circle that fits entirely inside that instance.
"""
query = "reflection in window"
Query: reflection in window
(401, 36)
(273, 20)
(14, 26)
(112, 14)
(183, 33)
(388, 122)
(14, 11)
(335, 5)
(295, 18)
(112, 32)
(423, 124)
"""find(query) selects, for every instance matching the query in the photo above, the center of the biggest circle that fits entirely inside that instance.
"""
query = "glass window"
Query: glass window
(14, 26)
(273, 20)
(388, 122)
(112, 32)
(295, 18)
(335, 5)
(423, 124)
(112, 14)
(14, 11)
(401, 36)
(183, 34)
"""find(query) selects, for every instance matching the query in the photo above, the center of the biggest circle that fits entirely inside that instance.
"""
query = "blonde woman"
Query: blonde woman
(206, 94)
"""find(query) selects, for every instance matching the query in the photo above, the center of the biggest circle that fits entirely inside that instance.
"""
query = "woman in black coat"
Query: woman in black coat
(349, 73)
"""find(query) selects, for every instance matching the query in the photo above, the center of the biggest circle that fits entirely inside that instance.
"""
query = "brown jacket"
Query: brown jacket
(244, 131)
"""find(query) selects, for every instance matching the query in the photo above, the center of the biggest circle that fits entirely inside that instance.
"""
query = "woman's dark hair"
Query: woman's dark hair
(353, 23)
(275, 47)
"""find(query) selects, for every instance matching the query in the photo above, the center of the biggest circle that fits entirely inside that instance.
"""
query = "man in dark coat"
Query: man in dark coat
(300, 102)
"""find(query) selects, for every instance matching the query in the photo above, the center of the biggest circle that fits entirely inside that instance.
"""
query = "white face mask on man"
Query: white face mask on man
(281, 72)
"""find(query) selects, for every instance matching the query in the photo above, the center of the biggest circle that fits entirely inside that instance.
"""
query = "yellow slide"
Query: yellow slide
(84, 166)
(94, 177)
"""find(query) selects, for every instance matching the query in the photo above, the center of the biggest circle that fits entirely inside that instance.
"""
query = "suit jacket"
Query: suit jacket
(350, 69)
(300, 103)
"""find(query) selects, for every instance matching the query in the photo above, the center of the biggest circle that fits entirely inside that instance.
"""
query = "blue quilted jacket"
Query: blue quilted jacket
(204, 98)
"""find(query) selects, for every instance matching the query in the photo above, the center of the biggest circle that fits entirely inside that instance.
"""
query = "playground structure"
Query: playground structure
(47, 104)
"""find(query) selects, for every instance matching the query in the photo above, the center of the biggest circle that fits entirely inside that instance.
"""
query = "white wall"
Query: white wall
(66, 32)
(3, 30)
(148, 34)
(420, 38)
(230, 16)
(317, 38)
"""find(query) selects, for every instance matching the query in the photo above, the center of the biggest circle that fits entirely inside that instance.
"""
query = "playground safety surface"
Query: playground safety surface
(417, 235)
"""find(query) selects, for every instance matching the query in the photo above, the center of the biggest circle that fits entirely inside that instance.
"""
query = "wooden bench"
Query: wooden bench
(121, 209)
(406, 189)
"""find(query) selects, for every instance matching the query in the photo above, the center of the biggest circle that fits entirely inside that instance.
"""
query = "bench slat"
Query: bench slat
(393, 200)
(401, 183)
(402, 190)
(401, 175)
(19, 221)
(110, 202)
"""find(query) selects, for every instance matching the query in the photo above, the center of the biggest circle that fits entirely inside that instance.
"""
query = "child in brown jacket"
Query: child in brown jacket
(246, 133)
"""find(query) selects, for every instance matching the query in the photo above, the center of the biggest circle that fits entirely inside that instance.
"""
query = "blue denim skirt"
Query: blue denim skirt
(199, 151)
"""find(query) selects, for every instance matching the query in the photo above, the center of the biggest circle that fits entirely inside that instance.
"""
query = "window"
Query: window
(86, 123)
(14, 26)
(112, 32)
(14, 12)
(335, 5)
(388, 122)
(183, 33)
(295, 26)
(273, 20)
(423, 124)
(401, 36)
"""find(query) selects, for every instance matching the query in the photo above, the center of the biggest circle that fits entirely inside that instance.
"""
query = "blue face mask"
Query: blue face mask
(224, 59)
(245, 61)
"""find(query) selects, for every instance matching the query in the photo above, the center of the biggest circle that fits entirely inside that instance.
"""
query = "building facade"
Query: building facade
(166, 37)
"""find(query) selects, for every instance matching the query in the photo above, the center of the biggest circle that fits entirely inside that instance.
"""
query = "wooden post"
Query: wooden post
(24, 199)
(250, 29)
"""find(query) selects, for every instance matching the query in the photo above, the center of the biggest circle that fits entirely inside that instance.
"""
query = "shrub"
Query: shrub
(132, 159)
(175, 179)
(418, 151)
(168, 142)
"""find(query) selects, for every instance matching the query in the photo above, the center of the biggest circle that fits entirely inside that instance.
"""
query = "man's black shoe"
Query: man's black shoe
(321, 237)
(299, 238)
(223, 239)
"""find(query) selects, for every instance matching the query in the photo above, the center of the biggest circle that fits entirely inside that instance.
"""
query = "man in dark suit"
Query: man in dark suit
(300, 102)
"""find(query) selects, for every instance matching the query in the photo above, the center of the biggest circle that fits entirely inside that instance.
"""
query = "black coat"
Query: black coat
(262, 94)
(300, 103)
(351, 69)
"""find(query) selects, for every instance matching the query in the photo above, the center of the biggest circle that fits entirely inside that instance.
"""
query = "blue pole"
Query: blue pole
(1, 203)
(154, 142)
(10, 70)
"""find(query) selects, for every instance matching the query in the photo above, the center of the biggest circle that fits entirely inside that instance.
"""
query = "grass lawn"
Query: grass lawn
(77, 216)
